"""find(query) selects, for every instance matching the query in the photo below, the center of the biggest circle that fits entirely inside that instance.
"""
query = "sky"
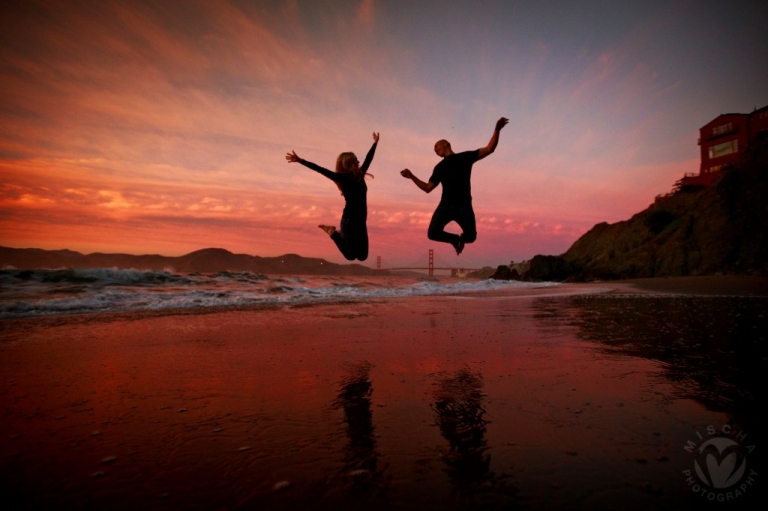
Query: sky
(150, 127)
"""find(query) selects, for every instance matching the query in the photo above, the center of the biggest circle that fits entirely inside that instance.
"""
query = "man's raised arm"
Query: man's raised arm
(491, 147)
(427, 187)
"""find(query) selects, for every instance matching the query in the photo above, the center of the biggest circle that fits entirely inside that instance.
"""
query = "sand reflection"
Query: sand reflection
(361, 473)
(712, 348)
(459, 412)
(490, 402)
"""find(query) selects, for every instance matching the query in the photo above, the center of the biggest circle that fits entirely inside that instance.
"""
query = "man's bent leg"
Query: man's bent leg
(465, 217)
(436, 231)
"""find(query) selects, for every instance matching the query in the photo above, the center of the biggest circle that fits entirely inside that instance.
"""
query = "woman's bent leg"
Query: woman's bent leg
(352, 239)
(359, 242)
(342, 245)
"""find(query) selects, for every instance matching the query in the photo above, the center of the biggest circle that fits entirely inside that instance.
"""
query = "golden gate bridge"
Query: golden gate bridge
(455, 272)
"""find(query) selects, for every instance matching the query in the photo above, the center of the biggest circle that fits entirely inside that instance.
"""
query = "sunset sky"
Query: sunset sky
(162, 127)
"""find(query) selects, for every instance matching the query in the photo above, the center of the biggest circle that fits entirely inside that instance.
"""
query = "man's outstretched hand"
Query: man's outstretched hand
(501, 123)
(406, 174)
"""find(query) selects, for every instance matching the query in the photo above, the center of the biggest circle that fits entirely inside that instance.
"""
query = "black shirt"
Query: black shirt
(354, 190)
(454, 173)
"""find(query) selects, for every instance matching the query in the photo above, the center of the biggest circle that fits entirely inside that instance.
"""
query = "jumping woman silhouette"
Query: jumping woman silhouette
(352, 235)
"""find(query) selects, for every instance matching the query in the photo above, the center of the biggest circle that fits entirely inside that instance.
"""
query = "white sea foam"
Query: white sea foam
(77, 291)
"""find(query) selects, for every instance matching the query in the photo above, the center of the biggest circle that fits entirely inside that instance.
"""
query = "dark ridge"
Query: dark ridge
(208, 260)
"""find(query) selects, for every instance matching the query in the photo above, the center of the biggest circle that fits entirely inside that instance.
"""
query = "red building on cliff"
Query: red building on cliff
(722, 142)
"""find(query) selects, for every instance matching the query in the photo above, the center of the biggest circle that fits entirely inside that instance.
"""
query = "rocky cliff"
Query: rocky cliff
(720, 229)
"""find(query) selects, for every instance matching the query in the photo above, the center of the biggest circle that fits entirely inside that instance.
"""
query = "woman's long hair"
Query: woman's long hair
(345, 165)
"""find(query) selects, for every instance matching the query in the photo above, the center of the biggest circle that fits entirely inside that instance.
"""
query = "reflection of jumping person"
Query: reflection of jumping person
(361, 455)
(456, 203)
(352, 235)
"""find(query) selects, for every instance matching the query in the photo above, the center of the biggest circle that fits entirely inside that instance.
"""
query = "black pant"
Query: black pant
(352, 239)
(462, 215)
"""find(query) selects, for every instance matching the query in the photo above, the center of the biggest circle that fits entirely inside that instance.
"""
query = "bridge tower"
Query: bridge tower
(378, 263)
(431, 262)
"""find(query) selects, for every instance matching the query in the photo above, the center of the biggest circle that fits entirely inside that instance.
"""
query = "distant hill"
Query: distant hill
(208, 260)
(720, 229)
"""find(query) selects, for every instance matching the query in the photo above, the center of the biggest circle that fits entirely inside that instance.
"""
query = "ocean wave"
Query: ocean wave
(103, 276)
(79, 291)
(241, 276)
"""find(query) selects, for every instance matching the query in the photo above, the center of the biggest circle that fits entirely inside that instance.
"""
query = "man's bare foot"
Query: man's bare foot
(460, 247)
(329, 229)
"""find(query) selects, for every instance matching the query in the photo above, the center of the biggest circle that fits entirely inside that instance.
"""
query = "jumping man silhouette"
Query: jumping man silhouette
(454, 172)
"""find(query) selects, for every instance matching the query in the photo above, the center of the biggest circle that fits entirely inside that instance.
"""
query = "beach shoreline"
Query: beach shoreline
(705, 285)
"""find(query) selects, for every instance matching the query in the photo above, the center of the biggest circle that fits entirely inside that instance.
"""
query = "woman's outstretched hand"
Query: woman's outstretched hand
(375, 137)
(292, 157)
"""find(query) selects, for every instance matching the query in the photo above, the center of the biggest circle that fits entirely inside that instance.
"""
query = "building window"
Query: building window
(724, 149)
(714, 168)
(725, 128)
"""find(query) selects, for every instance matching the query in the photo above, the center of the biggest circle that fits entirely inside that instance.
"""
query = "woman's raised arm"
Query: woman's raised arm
(292, 157)
(369, 156)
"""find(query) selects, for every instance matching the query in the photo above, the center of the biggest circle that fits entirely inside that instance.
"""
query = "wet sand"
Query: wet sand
(730, 285)
(579, 396)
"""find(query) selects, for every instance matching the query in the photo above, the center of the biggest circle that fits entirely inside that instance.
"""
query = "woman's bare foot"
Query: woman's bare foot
(329, 229)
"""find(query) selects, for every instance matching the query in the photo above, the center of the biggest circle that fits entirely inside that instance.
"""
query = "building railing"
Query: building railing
(720, 135)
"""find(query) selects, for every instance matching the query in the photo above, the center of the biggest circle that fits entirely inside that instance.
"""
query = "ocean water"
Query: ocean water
(30, 293)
